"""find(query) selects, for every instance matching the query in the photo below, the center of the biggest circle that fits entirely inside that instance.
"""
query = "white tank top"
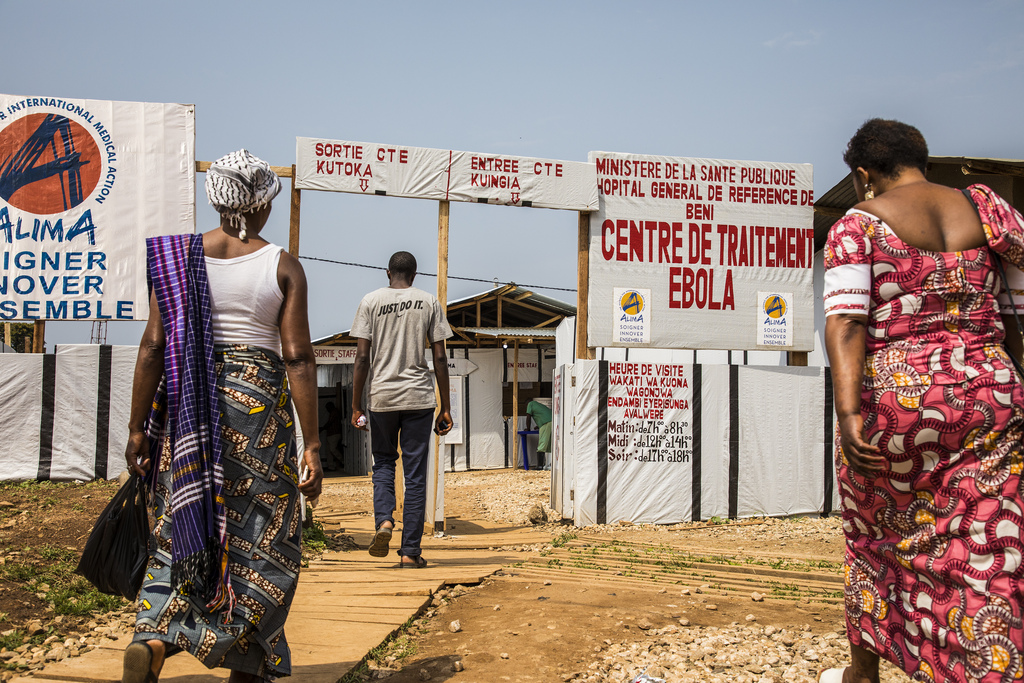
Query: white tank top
(246, 299)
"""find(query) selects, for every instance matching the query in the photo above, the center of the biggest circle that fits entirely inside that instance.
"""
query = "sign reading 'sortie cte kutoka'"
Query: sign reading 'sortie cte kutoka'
(722, 250)
(83, 183)
(442, 174)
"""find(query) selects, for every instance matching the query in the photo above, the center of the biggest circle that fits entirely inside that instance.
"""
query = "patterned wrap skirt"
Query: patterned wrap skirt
(263, 523)
(934, 545)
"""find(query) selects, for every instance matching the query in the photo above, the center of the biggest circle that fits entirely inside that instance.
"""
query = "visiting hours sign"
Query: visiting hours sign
(701, 254)
(83, 183)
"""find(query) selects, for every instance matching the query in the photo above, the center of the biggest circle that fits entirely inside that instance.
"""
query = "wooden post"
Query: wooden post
(38, 336)
(797, 358)
(443, 209)
(515, 406)
(7, 333)
(582, 286)
(293, 218)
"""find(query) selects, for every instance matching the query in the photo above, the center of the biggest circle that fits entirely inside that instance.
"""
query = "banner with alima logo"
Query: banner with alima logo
(83, 183)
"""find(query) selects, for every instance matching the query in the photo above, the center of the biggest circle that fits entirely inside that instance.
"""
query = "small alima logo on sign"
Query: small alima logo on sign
(632, 302)
(775, 306)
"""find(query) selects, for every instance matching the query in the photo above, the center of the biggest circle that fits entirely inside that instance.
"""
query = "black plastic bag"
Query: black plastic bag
(117, 552)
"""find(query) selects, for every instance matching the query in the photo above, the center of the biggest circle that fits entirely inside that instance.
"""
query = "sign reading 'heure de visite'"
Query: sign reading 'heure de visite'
(441, 174)
(83, 183)
(710, 241)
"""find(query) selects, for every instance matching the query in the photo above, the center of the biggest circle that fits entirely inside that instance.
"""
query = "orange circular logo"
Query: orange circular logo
(48, 163)
(775, 306)
(631, 302)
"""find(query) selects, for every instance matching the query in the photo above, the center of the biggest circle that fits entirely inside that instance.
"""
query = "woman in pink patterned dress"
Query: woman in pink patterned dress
(930, 419)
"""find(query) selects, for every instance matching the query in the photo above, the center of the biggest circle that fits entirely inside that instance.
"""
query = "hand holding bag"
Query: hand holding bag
(117, 552)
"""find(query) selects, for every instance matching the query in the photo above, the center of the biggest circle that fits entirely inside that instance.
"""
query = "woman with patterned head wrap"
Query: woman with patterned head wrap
(225, 355)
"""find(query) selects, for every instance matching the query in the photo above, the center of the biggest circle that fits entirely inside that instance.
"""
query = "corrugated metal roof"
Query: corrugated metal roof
(511, 331)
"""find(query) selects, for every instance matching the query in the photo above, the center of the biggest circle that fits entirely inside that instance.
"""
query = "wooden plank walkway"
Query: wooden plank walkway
(346, 604)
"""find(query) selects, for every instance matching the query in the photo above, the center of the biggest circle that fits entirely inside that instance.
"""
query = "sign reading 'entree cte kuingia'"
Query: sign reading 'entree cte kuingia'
(441, 174)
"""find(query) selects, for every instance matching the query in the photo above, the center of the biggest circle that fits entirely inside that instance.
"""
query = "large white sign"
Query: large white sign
(704, 236)
(83, 183)
(442, 174)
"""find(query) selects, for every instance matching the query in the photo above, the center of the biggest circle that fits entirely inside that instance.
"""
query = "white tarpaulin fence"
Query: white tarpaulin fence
(667, 443)
(82, 184)
(66, 413)
(701, 254)
(443, 174)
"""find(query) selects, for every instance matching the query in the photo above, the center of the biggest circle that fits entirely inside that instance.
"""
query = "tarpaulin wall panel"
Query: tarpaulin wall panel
(71, 413)
(77, 416)
(122, 372)
(585, 452)
(781, 439)
(485, 446)
(21, 402)
(714, 441)
(762, 445)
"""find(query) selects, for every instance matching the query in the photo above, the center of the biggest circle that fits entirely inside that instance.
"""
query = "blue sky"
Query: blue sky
(784, 81)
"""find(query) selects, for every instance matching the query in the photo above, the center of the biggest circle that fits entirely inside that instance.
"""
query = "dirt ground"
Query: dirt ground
(43, 525)
(535, 620)
(527, 625)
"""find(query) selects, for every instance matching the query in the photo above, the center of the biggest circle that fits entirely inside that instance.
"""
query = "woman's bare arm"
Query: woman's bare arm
(301, 365)
(149, 368)
(845, 336)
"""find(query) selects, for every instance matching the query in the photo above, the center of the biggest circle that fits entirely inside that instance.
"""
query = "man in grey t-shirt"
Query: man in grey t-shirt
(393, 326)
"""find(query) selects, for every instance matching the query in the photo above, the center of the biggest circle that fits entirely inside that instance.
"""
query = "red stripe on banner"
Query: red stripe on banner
(449, 185)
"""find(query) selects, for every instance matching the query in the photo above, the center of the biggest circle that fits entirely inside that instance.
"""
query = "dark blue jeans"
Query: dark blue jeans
(411, 429)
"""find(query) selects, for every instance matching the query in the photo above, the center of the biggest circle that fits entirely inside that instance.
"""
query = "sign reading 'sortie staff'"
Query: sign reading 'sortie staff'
(444, 175)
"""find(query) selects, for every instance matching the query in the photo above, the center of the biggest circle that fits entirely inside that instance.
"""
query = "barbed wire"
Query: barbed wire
(450, 277)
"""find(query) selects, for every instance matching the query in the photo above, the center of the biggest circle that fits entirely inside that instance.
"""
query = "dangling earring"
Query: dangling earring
(869, 193)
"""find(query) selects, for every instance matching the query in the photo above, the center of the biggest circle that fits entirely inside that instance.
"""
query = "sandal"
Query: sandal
(379, 547)
(417, 562)
(832, 675)
(138, 664)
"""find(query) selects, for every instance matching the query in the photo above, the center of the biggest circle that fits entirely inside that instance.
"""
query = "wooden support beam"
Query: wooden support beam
(293, 218)
(552, 319)
(517, 302)
(443, 208)
(798, 359)
(515, 407)
(979, 167)
(281, 171)
(38, 336)
(582, 285)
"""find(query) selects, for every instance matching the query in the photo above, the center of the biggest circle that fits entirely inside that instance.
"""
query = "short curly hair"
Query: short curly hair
(402, 263)
(887, 146)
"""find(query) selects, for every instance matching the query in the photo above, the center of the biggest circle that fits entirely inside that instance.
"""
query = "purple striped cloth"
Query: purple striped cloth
(185, 421)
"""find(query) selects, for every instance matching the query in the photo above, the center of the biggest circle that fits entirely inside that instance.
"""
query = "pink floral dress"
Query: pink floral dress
(934, 545)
